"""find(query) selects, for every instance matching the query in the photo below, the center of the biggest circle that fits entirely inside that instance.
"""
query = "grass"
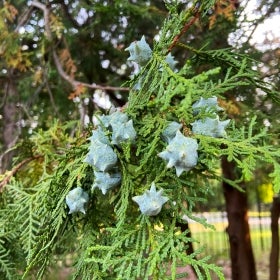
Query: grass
(216, 243)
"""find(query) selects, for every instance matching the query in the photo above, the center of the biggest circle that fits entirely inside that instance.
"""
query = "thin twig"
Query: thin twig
(57, 62)
(24, 18)
(46, 14)
(184, 30)
(6, 179)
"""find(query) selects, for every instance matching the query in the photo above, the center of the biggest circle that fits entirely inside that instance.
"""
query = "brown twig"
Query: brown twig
(57, 62)
(184, 30)
(24, 18)
(7, 178)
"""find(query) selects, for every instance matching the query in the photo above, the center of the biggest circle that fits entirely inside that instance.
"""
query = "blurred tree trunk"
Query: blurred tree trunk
(241, 253)
(10, 126)
(185, 228)
(274, 253)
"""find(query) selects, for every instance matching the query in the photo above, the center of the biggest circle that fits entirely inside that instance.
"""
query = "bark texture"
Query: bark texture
(274, 253)
(241, 253)
(190, 250)
(10, 127)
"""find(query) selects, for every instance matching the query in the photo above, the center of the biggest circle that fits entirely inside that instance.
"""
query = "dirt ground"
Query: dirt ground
(261, 265)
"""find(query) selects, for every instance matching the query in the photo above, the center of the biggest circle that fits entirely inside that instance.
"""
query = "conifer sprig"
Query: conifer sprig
(113, 239)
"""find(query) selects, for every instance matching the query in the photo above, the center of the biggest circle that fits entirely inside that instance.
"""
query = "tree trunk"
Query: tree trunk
(190, 250)
(185, 228)
(274, 253)
(10, 128)
(241, 253)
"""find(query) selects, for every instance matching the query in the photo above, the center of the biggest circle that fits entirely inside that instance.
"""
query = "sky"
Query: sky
(265, 36)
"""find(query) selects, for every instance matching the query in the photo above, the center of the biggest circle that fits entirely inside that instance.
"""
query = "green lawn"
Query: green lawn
(216, 244)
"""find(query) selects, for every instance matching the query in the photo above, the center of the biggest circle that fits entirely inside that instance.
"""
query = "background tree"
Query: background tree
(53, 50)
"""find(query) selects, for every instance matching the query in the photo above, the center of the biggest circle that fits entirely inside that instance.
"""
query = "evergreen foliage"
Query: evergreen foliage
(113, 239)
